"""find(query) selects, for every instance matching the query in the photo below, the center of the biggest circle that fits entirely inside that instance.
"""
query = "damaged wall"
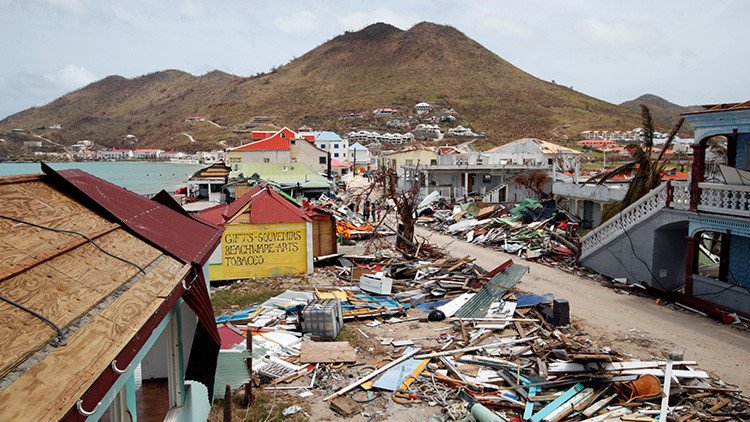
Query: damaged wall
(664, 232)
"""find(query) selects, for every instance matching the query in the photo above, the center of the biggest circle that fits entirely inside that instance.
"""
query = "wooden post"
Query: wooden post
(696, 174)
(248, 401)
(228, 404)
(732, 149)
(691, 261)
(670, 194)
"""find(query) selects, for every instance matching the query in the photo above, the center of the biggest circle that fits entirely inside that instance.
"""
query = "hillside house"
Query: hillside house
(597, 143)
(127, 319)
(693, 237)
(384, 112)
(427, 131)
(330, 142)
(460, 131)
(32, 144)
(422, 108)
(282, 146)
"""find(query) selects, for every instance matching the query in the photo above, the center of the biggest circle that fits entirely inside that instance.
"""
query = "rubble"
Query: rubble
(496, 354)
(534, 230)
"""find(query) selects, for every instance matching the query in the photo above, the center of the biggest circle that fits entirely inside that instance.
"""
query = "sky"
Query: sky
(686, 51)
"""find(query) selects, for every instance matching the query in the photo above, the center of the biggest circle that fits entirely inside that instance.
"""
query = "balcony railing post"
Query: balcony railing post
(670, 195)
(696, 176)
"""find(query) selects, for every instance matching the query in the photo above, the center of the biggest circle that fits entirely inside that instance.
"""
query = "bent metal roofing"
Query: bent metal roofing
(263, 203)
(187, 239)
(112, 304)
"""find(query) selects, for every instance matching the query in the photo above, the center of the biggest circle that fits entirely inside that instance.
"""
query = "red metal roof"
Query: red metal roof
(266, 207)
(185, 238)
(213, 215)
(229, 337)
(278, 141)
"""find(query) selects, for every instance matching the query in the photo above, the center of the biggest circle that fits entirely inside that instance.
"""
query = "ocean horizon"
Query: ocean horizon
(141, 177)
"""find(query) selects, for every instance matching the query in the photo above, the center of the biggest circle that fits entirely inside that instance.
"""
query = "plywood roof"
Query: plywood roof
(64, 277)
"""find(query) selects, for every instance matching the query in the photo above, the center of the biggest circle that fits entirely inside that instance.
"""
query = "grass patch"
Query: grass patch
(242, 296)
(349, 334)
(266, 408)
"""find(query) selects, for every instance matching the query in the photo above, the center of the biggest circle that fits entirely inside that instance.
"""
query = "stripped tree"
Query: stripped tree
(535, 182)
(406, 205)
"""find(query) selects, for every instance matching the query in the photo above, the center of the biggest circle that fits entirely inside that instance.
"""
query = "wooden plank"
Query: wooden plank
(39, 203)
(21, 335)
(63, 289)
(92, 268)
(327, 352)
(65, 374)
(20, 178)
(25, 262)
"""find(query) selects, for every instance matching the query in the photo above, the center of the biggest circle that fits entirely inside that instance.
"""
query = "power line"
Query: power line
(61, 338)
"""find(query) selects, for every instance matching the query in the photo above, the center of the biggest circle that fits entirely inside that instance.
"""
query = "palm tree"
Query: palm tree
(647, 171)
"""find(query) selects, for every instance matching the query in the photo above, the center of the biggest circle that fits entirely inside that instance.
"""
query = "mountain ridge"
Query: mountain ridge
(377, 66)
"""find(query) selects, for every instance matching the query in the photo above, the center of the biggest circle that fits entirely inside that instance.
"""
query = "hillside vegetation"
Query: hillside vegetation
(378, 66)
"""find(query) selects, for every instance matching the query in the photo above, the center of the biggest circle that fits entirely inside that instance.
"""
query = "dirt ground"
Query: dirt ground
(631, 324)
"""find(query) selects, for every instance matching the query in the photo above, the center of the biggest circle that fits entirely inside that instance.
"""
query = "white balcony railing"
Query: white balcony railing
(725, 199)
(639, 211)
(716, 198)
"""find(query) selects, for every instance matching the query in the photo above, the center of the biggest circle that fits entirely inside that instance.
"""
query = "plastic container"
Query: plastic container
(376, 283)
(323, 318)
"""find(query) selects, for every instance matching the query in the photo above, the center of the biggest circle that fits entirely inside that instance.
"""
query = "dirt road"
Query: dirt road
(632, 324)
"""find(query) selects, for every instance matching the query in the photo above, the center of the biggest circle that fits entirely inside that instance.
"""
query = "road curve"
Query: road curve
(635, 325)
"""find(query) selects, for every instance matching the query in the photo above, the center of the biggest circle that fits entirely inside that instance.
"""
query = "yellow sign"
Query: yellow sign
(262, 250)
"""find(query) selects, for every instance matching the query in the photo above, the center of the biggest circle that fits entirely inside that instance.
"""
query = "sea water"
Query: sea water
(139, 177)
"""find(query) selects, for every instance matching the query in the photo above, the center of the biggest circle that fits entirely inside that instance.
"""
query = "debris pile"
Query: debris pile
(456, 342)
(534, 230)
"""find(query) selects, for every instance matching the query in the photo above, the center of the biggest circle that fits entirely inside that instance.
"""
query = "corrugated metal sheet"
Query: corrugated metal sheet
(492, 291)
(183, 237)
(266, 207)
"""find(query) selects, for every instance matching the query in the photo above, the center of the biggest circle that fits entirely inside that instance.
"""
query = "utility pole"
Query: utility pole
(354, 162)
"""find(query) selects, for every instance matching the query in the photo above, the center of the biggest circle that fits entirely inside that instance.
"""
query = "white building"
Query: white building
(384, 112)
(330, 142)
(114, 154)
(146, 154)
(461, 131)
(426, 131)
(422, 108)
(535, 152)
(360, 154)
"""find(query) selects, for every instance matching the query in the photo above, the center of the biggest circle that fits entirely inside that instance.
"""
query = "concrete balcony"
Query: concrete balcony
(715, 198)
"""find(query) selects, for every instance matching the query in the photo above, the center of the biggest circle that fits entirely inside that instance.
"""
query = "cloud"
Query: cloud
(302, 22)
(358, 20)
(25, 89)
(76, 7)
(495, 23)
(71, 77)
(191, 9)
(611, 33)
